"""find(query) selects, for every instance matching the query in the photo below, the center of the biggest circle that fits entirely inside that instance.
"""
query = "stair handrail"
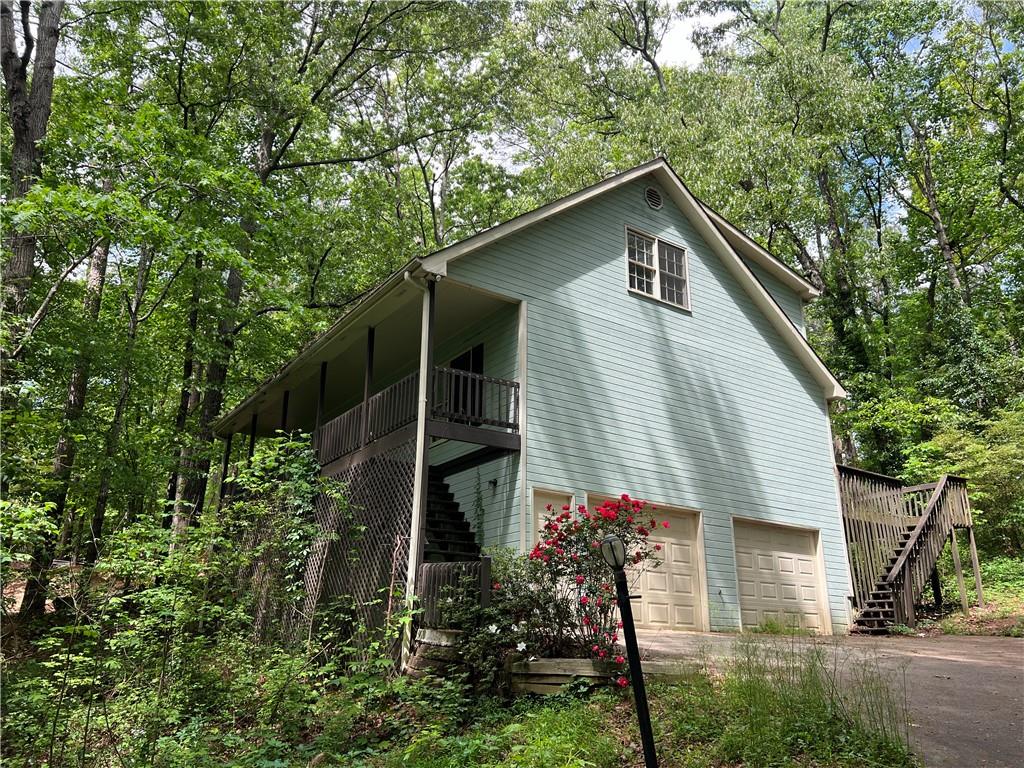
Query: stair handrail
(910, 546)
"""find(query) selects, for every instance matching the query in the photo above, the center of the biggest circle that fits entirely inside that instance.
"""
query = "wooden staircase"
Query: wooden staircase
(448, 536)
(895, 535)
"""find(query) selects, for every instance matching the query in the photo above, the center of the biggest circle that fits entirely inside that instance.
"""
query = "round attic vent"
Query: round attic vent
(653, 198)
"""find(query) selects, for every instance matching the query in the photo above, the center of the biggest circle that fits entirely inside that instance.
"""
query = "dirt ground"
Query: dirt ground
(965, 694)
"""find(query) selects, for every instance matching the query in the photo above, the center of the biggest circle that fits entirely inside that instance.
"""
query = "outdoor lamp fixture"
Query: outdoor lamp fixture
(613, 550)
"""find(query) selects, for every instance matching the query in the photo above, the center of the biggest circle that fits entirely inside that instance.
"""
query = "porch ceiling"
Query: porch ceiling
(395, 317)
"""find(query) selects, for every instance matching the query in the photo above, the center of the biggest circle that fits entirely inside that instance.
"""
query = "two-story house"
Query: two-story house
(625, 338)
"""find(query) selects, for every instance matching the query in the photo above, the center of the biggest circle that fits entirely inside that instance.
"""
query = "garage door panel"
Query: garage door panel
(777, 574)
(671, 593)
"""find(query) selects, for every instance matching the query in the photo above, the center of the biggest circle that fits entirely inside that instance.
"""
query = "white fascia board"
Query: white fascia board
(762, 257)
(437, 262)
(762, 299)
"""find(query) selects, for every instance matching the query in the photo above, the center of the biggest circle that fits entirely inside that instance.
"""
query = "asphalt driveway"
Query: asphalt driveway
(965, 694)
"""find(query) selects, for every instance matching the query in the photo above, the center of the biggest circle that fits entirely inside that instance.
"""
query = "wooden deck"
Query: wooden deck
(894, 536)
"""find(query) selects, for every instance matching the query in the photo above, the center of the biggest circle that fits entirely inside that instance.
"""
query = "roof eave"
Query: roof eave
(414, 267)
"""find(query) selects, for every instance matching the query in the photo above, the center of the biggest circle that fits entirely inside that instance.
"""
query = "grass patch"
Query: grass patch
(785, 704)
(779, 703)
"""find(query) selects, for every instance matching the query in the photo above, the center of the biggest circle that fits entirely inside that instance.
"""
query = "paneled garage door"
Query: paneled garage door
(778, 576)
(672, 595)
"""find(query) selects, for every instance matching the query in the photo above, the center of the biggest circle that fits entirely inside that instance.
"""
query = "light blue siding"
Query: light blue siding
(706, 409)
(787, 299)
(489, 494)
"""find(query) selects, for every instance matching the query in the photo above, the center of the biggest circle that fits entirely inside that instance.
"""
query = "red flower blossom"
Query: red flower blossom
(620, 660)
(496, 586)
(657, 547)
(622, 682)
(580, 578)
(565, 507)
(664, 523)
(584, 600)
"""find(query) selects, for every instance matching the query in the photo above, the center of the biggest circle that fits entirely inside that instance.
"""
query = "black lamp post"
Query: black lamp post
(614, 553)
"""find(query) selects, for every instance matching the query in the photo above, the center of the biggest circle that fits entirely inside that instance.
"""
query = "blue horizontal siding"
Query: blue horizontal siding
(707, 409)
(489, 494)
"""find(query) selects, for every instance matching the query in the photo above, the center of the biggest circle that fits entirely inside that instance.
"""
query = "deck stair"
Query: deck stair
(448, 535)
(895, 535)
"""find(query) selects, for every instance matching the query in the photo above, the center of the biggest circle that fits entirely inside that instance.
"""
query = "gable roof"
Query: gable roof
(718, 233)
(725, 239)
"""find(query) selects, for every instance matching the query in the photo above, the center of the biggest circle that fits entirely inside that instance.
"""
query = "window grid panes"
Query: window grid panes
(672, 266)
(641, 263)
(662, 278)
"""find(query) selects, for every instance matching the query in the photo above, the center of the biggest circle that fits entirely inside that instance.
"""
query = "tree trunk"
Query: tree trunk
(64, 456)
(30, 101)
(37, 581)
(189, 396)
(842, 306)
(110, 445)
(191, 486)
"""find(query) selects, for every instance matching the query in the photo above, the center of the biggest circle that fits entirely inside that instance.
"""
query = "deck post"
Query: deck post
(252, 439)
(975, 566)
(959, 571)
(321, 393)
(936, 587)
(420, 480)
(367, 385)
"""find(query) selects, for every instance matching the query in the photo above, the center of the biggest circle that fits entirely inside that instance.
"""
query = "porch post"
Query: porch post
(959, 571)
(284, 410)
(419, 494)
(224, 466)
(252, 438)
(320, 395)
(367, 384)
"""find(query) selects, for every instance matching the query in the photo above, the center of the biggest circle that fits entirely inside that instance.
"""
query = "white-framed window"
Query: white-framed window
(657, 268)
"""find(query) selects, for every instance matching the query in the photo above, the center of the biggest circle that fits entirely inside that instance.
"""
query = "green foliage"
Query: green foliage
(990, 454)
(780, 703)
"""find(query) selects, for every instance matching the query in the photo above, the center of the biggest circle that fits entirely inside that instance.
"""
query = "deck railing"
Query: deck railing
(440, 582)
(946, 510)
(458, 396)
(876, 514)
(393, 407)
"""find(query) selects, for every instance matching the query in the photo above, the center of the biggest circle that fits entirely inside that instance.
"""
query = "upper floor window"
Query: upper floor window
(657, 269)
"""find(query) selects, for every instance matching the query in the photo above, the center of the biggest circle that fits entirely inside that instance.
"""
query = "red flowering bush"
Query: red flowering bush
(570, 571)
(559, 600)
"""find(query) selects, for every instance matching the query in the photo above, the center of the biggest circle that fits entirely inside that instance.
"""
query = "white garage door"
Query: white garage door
(778, 576)
(672, 595)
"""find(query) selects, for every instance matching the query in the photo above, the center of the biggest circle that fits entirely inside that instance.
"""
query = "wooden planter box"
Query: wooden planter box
(548, 676)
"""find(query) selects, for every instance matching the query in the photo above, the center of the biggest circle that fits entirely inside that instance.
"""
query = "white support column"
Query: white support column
(419, 494)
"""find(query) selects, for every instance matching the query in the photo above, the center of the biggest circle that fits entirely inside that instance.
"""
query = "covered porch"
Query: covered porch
(420, 381)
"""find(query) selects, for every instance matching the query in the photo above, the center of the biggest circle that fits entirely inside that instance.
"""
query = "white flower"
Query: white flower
(521, 647)
(493, 629)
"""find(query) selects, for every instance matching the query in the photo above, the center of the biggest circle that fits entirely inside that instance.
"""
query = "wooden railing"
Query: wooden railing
(437, 582)
(339, 436)
(877, 512)
(472, 398)
(946, 510)
(393, 407)
(459, 396)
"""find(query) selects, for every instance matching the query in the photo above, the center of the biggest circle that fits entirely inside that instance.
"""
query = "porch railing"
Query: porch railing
(472, 398)
(458, 396)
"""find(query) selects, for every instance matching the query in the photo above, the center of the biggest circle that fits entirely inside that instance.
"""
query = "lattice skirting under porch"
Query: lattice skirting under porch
(362, 554)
